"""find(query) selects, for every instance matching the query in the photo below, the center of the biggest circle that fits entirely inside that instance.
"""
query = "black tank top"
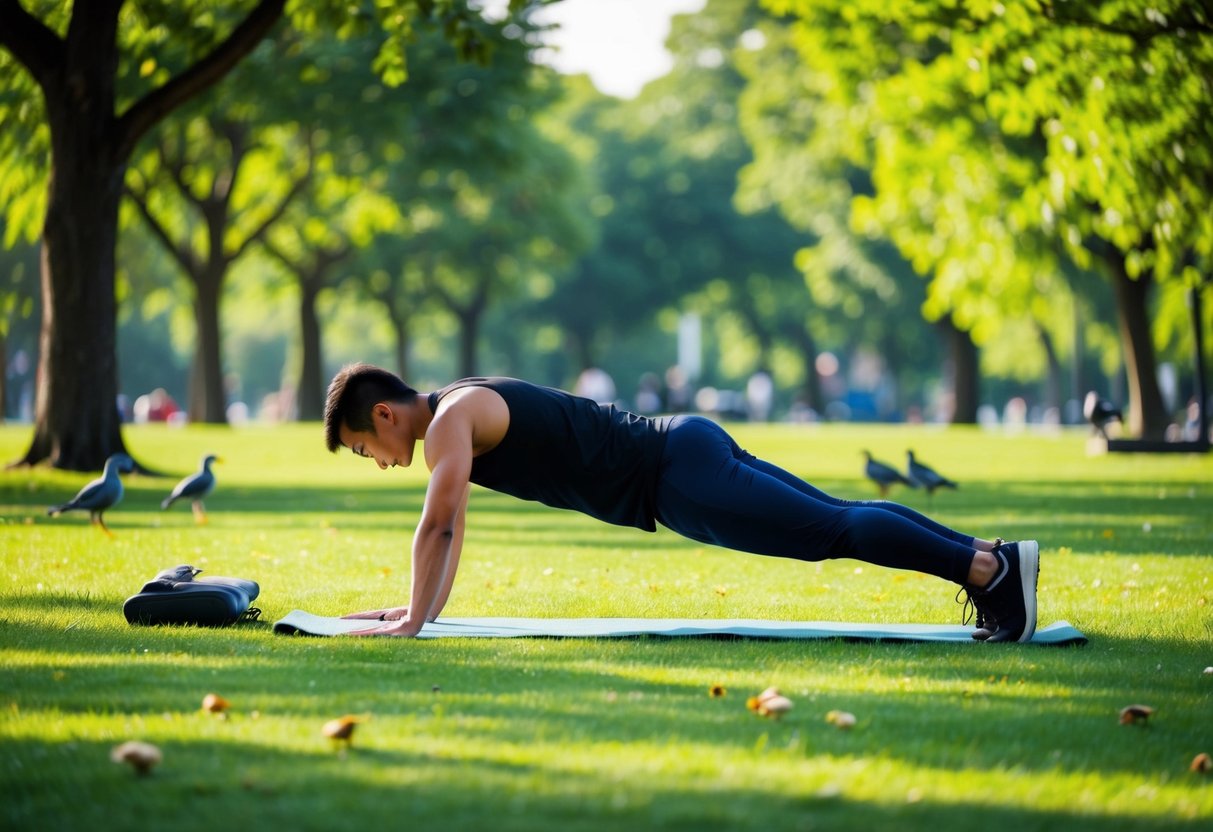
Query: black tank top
(569, 452)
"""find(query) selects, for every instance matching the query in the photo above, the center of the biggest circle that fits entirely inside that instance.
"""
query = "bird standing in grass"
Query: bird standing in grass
(100, 494)
(925, 476)
(194, 488)
(1100, 413)
(884, 475)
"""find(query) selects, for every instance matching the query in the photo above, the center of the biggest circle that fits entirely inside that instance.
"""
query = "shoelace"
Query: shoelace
(970, 608)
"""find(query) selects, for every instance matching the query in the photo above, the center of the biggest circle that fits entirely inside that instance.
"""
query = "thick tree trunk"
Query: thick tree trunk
(207, 399)
(1147, 417)
(76, 416)
(964, 373)
(311, 371)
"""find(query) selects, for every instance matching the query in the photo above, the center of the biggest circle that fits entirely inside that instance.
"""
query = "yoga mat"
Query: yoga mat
(306, 623)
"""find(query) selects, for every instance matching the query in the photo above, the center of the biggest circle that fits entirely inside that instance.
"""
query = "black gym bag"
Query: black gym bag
(175, 597)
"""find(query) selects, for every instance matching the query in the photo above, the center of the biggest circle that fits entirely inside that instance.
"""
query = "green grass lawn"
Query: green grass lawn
(604, 734)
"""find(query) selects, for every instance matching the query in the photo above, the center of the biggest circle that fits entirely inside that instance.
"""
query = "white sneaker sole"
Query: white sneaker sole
(1029, 571)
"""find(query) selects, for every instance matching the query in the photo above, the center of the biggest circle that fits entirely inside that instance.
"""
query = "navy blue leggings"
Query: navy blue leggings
(712, 491)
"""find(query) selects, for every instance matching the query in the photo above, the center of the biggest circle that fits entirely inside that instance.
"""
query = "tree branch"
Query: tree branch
(237, 139)
(158, 103)
(181, 254)
(35, 46)
(1140, 35)
(279, 255)
(175, 165)
(259, 233)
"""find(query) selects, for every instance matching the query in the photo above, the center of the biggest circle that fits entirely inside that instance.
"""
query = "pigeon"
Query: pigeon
(885, 476)
(100, 494)
(1100, 413)
(194, 488)
(925, 476)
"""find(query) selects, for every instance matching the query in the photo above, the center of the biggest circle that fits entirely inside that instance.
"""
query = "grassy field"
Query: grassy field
(604, 734)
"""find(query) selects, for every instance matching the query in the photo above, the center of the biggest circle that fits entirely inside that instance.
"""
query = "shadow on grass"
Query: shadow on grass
(375, 788)
(1106, 517)
(951, 707)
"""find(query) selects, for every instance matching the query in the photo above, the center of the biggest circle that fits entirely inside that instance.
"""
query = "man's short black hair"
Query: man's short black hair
(353, 393)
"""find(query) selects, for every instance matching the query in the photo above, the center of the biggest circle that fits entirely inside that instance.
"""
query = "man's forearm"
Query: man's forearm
(431, 551)
(452, 564)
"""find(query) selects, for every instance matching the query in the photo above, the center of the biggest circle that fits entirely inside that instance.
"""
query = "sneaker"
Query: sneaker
(1011, 597)
(984, 623)
(974, 603)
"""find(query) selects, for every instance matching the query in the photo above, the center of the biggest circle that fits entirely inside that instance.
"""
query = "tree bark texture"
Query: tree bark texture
(964, 373)
(311, 371)
(1147, 416)
(1053, 383)
(77, 425)
(207, 398)
(76, 421)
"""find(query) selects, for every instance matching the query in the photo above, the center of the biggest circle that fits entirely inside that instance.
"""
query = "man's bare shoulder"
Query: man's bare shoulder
(479, 410)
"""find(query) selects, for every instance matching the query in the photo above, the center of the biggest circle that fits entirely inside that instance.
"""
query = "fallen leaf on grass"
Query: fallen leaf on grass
(341, 729)
(214, 703)
(775, 707)
(1133, 714)
(141, 756)
(842, 720)
(754, 702)
(770, 703)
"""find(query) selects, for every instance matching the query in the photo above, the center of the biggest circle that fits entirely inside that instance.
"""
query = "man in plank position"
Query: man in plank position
(685, 472)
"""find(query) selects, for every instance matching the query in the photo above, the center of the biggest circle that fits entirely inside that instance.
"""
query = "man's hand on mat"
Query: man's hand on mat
(390, 614)
(403, 627)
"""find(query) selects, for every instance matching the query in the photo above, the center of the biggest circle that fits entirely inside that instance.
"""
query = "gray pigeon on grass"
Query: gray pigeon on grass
(100, 494)
(884, 475)
(925, 476)
(194, 488)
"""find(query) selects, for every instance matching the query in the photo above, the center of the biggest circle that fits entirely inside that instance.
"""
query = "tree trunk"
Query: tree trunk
(76, 423)
(469, 332)
(400, 326)
(206, 381)
(1195, 306)
(811, 390)
(76, 415)
(1053, 371)
(1078, 385)
(964, 373)
(311, 373)
(1147, 417)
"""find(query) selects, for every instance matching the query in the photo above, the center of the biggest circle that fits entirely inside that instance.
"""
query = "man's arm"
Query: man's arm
(452, 563)
(439, 533)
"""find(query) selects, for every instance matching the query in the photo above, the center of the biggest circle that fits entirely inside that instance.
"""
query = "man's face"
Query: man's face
(387, 444)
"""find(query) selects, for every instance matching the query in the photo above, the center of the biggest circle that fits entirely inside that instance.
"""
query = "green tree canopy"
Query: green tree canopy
(1004, 138)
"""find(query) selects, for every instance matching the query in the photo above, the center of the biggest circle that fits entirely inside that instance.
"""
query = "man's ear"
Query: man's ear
(384, 411)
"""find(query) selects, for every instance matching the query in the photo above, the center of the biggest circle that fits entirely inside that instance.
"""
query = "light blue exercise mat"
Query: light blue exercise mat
(300, 622)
